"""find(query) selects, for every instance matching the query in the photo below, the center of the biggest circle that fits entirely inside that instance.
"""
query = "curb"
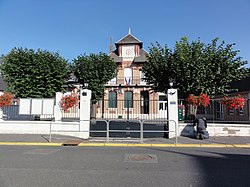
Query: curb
(129, 145)
(165, 145)
(31, 143)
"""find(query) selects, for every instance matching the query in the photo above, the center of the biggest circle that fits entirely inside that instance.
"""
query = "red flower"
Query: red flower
(233, 102)
(69, 101)
(6, 99)
(202, 99)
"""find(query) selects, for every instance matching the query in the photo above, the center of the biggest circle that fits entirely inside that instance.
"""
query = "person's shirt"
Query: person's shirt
(201, 124)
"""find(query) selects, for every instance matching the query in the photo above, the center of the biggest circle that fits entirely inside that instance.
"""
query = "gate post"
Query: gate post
(85, 99)
(173, 112)
(57, 109)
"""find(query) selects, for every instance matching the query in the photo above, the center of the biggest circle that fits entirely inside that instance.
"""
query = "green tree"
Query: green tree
(157, 70)
(224, 67)
(188, 67)
(96, 70)
(34, 74)
(195, 67)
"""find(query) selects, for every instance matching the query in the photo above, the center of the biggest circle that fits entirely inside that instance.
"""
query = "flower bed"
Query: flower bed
(6, 99)
(201, 100)
(69, 101)
(233, 102)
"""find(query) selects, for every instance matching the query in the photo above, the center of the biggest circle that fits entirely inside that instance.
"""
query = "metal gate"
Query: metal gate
(142, 109)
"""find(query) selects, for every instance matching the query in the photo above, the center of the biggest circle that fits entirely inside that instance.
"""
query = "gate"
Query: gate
(142, 109)
(138, 129)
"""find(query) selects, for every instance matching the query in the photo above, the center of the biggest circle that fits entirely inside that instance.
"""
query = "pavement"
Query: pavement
(59, 140)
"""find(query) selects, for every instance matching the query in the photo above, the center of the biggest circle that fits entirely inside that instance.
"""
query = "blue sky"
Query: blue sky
(73, 27)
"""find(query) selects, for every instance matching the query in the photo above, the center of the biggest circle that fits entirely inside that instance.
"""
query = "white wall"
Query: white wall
(217, 129)
(38, 127)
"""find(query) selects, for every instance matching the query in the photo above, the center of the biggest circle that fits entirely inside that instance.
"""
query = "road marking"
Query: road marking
(31, 143)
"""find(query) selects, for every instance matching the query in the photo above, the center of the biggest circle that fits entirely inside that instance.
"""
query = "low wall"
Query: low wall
(217, 129)
(73, 128)
(41, 127)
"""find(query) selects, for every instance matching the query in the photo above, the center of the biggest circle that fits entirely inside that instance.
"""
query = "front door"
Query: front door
(144, 102)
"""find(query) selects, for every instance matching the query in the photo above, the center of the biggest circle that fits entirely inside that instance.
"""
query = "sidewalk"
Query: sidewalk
(58, 140)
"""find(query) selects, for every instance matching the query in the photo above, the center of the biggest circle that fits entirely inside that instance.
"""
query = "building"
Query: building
(218, 112)
(128, 95)
(242, 88)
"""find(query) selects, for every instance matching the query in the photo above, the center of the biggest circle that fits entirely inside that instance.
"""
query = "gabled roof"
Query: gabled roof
(242, 85)
(115, 57)
(128, 39)
(142, 57)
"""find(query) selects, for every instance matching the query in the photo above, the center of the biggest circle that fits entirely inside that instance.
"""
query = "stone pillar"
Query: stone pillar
(85, 103)
(173, 112)
(57, 108)
(1, 114)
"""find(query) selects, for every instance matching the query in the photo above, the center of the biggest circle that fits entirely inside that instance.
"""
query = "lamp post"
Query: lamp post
(86, 84)
(171, 83)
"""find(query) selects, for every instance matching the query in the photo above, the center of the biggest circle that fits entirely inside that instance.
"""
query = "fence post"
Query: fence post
(176, 134)
(141, 130)
(1, 114)
(128, 109)
(85, 99)
(57, 108)
(107, 132)
(172, 112)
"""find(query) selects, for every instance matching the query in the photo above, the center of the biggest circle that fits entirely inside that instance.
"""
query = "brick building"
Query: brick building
(128, 95)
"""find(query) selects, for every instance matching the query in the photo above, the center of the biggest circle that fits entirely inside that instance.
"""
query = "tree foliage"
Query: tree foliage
(196, 67)
(34, 74)
(158, 68)
(96, 70)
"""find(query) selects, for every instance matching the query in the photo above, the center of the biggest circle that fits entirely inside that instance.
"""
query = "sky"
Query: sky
(74, 27)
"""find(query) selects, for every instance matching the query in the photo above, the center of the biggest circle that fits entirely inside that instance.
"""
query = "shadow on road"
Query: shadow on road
(221, 169)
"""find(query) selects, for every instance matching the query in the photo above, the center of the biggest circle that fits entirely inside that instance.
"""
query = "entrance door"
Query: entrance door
(163, 109)
(144, 102)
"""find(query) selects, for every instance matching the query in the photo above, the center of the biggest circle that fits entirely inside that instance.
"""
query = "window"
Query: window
(230, 112)
(112, 99)
(128, 100)
(112, 81)
(128, 76)
(239, 111)
(142, 81)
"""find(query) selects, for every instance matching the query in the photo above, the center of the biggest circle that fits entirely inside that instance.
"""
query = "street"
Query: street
(32, 166)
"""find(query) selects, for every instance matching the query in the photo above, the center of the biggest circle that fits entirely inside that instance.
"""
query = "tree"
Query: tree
(36, 74)
(157, 70)
(96, 70)
(196, 67)
(189, 68)
(225, 67)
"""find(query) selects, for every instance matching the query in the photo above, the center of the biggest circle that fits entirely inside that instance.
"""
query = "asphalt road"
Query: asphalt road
(123, 166)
